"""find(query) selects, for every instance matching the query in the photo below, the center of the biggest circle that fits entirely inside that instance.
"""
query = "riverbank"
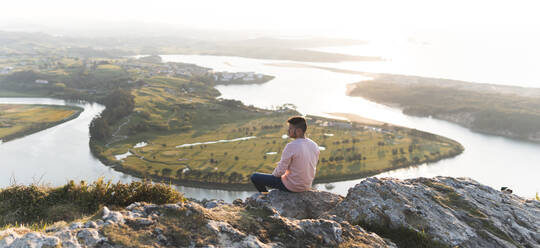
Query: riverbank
(18, 121)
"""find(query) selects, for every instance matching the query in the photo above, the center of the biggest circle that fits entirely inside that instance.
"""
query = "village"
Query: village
(137, 68)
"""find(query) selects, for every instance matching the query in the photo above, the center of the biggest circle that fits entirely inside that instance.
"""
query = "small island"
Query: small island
(18, 120)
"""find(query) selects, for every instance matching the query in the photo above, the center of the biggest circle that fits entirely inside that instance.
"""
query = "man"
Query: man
(296, 169)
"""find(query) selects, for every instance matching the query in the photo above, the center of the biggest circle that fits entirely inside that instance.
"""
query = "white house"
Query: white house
(6, 70)
(41, 81)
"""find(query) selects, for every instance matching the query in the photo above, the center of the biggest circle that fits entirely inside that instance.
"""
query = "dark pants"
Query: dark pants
(261, 181)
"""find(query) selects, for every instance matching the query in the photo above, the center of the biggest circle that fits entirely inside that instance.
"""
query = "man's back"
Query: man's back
(298, 164)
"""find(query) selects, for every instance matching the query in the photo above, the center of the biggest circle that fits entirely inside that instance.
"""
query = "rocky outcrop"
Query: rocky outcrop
(305, 205)
(453, 211)
(438, 212)
(214, 224)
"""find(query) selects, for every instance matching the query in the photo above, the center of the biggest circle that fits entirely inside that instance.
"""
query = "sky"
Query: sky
(352, 19)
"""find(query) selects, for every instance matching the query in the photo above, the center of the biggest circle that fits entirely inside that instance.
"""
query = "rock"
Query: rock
(213, 203)
(89, 237)
(232, 237)
(455, 211)
(91, 224)
(305, 205)
(150, 208)
(112, 216)
(68, 239)
(329, 233)
(75, 225)
(144, 222)
(238, 202)
(161, 238)
(31, 239)
(133, 206)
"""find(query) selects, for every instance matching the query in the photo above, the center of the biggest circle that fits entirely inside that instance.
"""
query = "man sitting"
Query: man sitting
(296, 169)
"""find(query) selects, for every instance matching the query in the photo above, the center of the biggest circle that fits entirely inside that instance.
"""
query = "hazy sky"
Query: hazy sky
(352, 18)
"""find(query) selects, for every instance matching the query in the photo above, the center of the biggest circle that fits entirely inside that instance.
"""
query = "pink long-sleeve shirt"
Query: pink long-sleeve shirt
(298, 164)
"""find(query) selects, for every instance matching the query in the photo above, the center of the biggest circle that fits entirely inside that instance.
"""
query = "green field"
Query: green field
(171, 112)
(17, 120)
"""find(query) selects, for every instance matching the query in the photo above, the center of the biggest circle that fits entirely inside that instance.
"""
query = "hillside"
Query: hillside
(422, 212)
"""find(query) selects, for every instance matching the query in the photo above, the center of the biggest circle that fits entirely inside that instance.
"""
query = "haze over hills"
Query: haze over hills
(135, 44)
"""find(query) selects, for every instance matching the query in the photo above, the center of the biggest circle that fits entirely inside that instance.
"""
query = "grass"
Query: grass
(7, 93)
(19, 120)
(39, 206)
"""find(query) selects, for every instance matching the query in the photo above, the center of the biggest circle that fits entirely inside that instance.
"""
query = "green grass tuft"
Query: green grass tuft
(34, 205)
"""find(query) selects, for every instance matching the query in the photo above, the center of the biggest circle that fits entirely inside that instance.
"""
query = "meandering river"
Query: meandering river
(61, 153)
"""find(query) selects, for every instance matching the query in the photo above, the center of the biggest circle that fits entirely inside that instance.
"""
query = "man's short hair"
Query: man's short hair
(298, 122)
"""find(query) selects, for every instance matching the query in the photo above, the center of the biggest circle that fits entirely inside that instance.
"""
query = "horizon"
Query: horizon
(367, 20)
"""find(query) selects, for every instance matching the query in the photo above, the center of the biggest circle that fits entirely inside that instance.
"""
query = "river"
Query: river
(61, 153)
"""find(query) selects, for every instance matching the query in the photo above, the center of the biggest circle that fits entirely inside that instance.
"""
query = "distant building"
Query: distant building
(6, 70)
(41, 81)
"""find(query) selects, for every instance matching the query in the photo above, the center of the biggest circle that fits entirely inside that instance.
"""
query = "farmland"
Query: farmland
(20, 120)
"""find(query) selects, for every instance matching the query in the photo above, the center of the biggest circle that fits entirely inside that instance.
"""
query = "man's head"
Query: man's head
(297, 127)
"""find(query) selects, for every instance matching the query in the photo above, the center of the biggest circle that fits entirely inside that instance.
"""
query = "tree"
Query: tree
(99, 129)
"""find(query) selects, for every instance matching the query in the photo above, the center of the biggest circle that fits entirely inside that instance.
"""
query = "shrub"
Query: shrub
(35, 204)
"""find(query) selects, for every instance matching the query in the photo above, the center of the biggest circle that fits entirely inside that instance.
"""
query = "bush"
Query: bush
(34, 204)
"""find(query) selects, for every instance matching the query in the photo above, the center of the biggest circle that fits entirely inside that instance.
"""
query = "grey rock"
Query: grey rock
(211, 204)
(177, 206)
(305, 205)
(161, 238)
(31, 239)
(89, 236)
(229, 236)
(158, 230)
(455, 211)
(238, 202)
(113, 216)
(75, 225)
(330, 233)
(150, 208)
(90, 224)
(68, 239)
(144, 222)
(133, 206)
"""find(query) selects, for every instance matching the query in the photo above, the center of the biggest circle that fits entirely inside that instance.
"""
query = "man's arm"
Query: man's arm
(283, 164)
